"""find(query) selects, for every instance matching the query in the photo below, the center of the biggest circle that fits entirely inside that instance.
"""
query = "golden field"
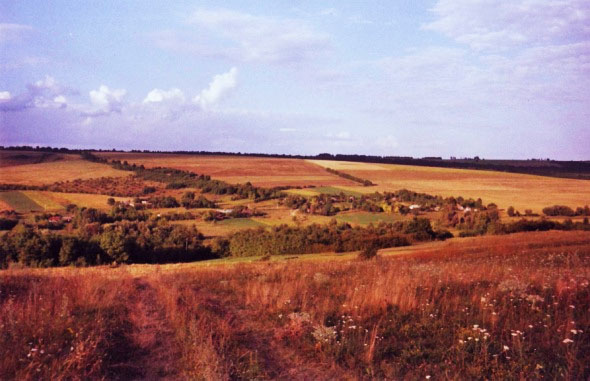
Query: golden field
(54, 171)
(504, 189)
(266, 172)
(492, 307)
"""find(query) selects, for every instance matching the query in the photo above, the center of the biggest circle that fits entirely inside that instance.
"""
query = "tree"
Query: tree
(115, 245)
(510, 211)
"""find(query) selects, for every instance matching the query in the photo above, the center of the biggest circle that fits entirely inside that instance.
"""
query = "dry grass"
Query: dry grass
(492, 307)
(267, 172)
(504, 189)
(51, 172)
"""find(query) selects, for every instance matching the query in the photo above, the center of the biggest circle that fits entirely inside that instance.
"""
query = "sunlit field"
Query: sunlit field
(268, 172)
(478, 308)
(50, 172)
(504, 189)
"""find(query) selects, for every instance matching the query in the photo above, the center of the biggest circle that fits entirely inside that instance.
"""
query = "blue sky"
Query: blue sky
(434, 78)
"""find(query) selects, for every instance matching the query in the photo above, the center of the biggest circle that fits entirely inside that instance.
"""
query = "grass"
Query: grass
(364, 218)
(51, 172)
(81, 199)
(504, 189)
(45, 200)
(488, 307)
(20, 202)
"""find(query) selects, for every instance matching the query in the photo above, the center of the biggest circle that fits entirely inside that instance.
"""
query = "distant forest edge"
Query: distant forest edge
(541, 167)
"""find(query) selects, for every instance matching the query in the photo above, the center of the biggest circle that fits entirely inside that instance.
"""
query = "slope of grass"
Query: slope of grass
(493, 308)
(20, 202)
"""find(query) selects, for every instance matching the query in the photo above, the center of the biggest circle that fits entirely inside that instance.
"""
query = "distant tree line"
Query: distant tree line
(552, 168)
(364, 182)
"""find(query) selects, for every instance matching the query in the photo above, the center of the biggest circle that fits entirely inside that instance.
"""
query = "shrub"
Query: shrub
(368, 253)
(558, 210)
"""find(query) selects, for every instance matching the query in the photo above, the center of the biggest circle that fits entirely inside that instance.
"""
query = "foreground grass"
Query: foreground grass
(496, 307)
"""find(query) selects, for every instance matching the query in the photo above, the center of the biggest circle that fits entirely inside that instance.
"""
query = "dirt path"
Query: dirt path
(151, 353)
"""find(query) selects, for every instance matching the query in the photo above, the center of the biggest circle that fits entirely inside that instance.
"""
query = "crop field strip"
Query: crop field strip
(51, 172)
(20, 202)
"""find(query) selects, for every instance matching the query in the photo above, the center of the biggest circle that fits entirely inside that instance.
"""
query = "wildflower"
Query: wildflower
(506, 348)
(567, 341)
(530, 326)
(428, 377)
(572, 306)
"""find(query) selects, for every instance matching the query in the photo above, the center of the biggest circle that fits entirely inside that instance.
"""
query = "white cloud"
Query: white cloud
(499, 24)
(219, 86)
(244, 37)
(43, 93)
(106, 100)
(5, 96)
(13, 32)
(158, 95)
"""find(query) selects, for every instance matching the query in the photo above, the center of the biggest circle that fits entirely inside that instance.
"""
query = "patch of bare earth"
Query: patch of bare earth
(148, 349)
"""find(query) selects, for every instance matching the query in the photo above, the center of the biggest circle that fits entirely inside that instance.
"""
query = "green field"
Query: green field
(366, 218)
(324, 190)
(242, 223)
(20, 202)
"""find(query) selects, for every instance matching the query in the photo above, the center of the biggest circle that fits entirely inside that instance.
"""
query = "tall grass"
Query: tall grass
(60, 326)
(493, 307)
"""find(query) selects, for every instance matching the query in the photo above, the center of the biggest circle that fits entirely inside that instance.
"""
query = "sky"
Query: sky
(492, 78)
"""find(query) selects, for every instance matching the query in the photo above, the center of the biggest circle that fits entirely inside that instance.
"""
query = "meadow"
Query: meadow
(490, 307)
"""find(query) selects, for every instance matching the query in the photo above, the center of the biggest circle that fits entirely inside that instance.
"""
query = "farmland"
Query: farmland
(50, 172)
(275, 287)
(20, 202)
(504, 189)
(268, 172)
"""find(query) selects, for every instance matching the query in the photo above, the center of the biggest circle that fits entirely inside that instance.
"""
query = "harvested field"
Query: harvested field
(266, 172)
(504, 189)
(51, 172)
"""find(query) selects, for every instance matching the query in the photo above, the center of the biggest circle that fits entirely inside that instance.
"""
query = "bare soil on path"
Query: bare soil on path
(148, 349)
